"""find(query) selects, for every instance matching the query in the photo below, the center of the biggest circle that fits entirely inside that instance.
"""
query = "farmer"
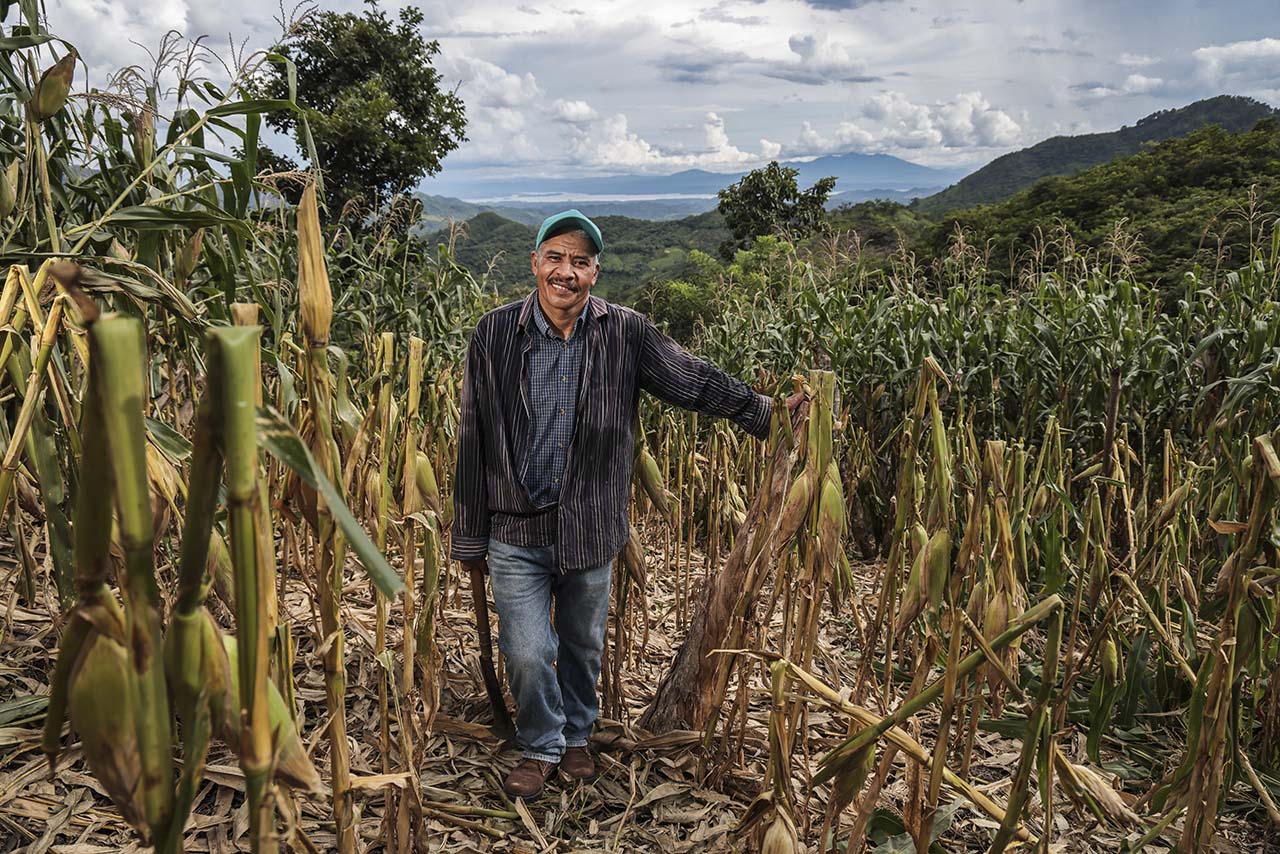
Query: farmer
(545, 450)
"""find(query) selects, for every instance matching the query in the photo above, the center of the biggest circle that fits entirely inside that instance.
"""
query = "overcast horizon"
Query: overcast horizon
(727, 86)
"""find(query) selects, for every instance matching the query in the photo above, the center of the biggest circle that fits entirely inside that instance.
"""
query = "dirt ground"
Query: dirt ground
(655, 794)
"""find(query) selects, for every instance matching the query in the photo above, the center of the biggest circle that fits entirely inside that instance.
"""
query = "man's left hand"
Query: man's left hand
(795, 402)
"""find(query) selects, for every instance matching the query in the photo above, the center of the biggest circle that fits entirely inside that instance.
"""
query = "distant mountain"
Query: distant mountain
(1066, 155)
(852, 172)
(439, 211)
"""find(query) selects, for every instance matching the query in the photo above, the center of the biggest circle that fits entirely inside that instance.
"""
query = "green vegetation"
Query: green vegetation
(768, 200)
(1065, 155)
(376, 113)
(1169, 209)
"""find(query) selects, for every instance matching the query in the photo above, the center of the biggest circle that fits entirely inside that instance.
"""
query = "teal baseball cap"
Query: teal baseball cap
(569, 221)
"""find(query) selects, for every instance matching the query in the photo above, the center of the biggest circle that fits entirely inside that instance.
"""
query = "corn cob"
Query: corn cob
(53, 88)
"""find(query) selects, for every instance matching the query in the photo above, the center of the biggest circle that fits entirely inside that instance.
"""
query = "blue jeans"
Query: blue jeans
(552, 654)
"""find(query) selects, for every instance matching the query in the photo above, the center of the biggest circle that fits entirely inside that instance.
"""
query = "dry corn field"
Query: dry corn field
(1008, 582)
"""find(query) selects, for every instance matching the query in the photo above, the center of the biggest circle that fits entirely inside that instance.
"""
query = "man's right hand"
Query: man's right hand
(481, 564)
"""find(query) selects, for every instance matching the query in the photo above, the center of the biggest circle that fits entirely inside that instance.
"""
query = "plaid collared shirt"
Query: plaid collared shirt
(554, 364)
(623, 353)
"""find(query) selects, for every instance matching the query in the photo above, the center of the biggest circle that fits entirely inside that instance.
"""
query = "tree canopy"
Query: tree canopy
(378, 114)
(768, 200)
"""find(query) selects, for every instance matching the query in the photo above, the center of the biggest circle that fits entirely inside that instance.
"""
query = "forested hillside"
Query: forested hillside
(1177, 199)
(1066, 155)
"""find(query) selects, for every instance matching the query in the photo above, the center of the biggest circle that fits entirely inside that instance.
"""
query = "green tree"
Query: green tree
(379, 117)
(768, 200)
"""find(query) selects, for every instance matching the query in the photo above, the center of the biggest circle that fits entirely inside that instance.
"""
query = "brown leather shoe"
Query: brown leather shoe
(527, 778)
(578, 764)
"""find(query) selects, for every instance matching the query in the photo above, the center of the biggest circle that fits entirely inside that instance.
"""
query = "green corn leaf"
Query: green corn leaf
(282, 441)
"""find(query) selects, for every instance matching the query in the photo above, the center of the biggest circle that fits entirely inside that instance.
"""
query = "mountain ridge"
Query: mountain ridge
(853, 171)
(1057, 156)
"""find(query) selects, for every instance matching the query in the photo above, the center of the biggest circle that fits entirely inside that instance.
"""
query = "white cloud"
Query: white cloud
(846, 136)
(890, 121)
(1242, 63)
(1137, 84)
(1134, 84)
(971, 120)
(488, 85)
(574, 112)
(818, 48)
(1136, 60)
(610, 143)
(719, 149)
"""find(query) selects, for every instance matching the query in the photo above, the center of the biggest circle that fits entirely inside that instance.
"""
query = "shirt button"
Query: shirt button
(562, 410)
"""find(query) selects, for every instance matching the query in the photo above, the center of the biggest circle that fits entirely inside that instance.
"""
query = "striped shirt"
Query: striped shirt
(623, 354)
(554, 363)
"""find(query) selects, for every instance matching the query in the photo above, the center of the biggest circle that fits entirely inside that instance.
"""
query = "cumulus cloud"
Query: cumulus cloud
(846, 136)
(818, 61)
(610, 143)
(574, 112)
(497, 103)
(1244, 63)
(1134, 84)
(890, 121)
(485, 84)
(971, 120)
(1138, 84)
(821, 60)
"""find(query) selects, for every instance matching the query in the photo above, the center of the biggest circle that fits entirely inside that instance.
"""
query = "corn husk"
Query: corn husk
(53, 88)
(144, 135)
(796, 505)
(1084, 786)
(831, 515)
(188, 257)
(851, 775)
(315, 297)
(428, 489)
(633, 559)
(8, 189)
(100, 703)
(781, 836)
(165, 483)
(937, 566)
(1110, 662)
(915, 593)
(293, 766)
(195, 663)
(650, 477)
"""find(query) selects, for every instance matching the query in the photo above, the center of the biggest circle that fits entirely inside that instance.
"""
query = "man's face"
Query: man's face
(565, 267)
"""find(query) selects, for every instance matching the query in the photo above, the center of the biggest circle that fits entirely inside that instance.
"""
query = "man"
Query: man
(545, 450)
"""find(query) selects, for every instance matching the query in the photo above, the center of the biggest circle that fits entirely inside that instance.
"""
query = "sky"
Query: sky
(615, 87)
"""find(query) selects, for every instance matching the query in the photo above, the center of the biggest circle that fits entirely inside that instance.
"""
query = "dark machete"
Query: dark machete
(502, 726)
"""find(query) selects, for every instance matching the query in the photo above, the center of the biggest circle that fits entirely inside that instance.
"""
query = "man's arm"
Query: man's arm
(470, 540)
(675, 375)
